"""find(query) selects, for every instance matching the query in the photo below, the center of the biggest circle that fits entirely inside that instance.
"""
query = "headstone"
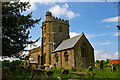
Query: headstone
(58, 78)
(101, 64)
(113, 68)
(90, 68)
(65, 72)
(50, 66)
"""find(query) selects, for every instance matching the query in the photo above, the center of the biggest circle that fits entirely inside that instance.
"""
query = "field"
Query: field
(23, 74)
(97, 73)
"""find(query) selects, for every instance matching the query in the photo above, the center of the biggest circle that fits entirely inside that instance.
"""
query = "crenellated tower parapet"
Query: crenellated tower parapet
(59, 20)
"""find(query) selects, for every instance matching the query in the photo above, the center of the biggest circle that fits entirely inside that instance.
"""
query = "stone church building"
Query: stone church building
(57, 48)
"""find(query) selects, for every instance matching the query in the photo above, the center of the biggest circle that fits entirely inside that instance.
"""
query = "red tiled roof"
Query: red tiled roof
(116, 61)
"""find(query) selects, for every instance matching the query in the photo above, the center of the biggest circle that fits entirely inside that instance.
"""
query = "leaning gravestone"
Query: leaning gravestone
(65, 72)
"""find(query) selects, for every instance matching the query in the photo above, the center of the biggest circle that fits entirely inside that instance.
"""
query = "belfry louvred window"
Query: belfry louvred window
(60, 28)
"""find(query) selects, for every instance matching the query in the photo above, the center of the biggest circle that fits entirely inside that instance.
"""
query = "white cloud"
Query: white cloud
(72, 0)
(72, 34)
(103, 56)
(106, 43)
(116, 34)
(94, 35)
(62, 11)
(113, 19)
(32, 7)
(98, 51)
(33, 3)
(116, 55)
(10, 59)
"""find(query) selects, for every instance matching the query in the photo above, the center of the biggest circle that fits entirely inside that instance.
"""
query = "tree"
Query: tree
(15, 28)
(97, 61)
(107, 61)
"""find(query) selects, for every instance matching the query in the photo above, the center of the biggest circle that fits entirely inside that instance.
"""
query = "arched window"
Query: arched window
(84, 52)
(56, 57)
(60, 28)
(66, 56)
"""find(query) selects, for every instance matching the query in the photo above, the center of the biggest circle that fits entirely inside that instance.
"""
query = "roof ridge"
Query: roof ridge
(72, 37)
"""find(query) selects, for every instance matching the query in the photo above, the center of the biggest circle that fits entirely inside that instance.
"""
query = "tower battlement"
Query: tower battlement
(62, 21)
(55, 19)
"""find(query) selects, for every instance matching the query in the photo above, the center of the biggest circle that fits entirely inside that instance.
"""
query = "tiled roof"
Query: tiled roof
(116, 61)
(67, 44)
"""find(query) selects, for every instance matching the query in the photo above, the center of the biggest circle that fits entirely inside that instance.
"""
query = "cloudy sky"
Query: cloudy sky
(97, 20)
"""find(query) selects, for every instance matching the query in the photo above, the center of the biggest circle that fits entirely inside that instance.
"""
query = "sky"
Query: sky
(97, 20)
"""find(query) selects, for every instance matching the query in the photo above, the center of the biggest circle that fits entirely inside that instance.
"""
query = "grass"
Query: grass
(97, 73)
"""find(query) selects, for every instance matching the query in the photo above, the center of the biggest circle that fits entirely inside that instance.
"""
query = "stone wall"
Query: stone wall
(36, 52)
(83, 61)
(61, 59)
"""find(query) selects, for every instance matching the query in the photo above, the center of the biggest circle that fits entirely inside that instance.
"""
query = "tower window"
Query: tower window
(66, 56)
(60, 28)
(84, 50)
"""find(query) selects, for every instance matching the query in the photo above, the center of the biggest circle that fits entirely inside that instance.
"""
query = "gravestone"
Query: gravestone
(58, 78)
(90, 68)
(101, 64)
(65, 72)
(113, 68)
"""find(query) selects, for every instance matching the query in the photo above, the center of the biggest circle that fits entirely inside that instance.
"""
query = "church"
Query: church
(57, 48)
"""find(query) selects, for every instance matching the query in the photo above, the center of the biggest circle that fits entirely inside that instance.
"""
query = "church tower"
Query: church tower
(54, 31)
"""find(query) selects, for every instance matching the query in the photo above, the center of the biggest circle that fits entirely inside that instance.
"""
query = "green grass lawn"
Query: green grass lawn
(97, 73)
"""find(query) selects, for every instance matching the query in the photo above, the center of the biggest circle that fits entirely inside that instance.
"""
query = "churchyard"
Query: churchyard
(74, 73)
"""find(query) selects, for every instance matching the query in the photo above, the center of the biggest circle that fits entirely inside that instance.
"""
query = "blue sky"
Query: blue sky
(97, 20)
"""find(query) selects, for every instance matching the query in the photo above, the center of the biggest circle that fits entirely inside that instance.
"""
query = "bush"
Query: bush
(74, 69)
(6, 63)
